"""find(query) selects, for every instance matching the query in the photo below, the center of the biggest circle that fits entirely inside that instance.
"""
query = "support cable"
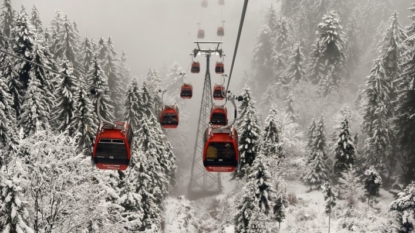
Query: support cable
(237, 40)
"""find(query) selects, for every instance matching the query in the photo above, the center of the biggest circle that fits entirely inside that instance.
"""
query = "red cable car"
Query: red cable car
(219, 92)
(204, 3)
(219, 68)
(201, 34)
(112, 148)
(220, 153)
(221, 2)
(195, 67)
(186, 91)
(219, 116)
(221, 31)
(169, 117)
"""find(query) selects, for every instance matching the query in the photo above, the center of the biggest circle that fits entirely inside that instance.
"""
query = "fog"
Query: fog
(157, 33)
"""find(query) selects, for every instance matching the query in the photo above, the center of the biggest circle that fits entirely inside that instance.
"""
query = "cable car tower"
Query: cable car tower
(203, 183)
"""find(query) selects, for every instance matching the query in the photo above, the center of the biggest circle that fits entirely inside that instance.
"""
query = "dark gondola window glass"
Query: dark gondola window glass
(219, 119)
(220, 151)
(111, 152)
(169, 119)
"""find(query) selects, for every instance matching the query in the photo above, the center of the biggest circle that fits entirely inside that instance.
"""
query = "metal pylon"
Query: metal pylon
(203, 183)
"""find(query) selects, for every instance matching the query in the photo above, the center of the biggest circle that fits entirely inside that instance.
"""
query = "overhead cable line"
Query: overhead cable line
(237, 41)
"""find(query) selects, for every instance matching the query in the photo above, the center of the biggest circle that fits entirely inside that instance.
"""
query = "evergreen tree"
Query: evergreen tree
(304, 26)
(101, 50)
(344, 151)
(35, 112)
(124, 72)
(271, 20)
(8, 136)
(311, 133)
(282, 41)
(290, 110)
(13, 81)
(328, 53)
(249, 136)
(280, 203)
(35, 20)
(371, 183)
(174, 78)
(410, 30)
(271, 145)
(55, 39)
(262, 61)
(14, 216)
(23, 42)
(87, 54)
(406, 109)
(352, 48)
(83, 121)
(295, 72)
(68, 47)
(316, 172)
(110, 67)
(330, 199)
(64, 110)
(245, 208)
(153, 82)
(132, 105)
(7, 19)
(404, 205)
(99, 80)
(316, 64)
(261, 178)
(349, 182)
(268, 98)
(376, 116)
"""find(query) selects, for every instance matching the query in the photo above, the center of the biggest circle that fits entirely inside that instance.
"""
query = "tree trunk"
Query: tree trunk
(329, 221)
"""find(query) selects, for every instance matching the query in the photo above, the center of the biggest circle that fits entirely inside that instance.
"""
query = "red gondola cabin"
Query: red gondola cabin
(221, 31)
(220, 152)
(186, 91)
(195, 67)
(169, 117)
(112, 148)
(219, 68)
(219, 92)
(221, 2)
(204, 3)
(219, 116)
(201, 34)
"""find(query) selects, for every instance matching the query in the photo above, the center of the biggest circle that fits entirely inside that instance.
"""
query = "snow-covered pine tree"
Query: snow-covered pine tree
(261, 177)
(330, 199)
(371, 183)
(290, 110)
(83, 121)
(12, 79)
(35, 20)
(268, 98)
(281, 40)
(294, 73)
(101, 50)
(249, 136)
(68, 47)
(247, 100)
(406, 107)
(377, 149)
(331, 45)
(65, 107)
(352, 48)
(87, 55)
(262, 62)
(404, 205)
(303, 22)
(153, 83)
(410, 30)
(271, 144)
(245, 208)
(14, 216)
(23, 40)
(344, 151)
(316, 172)
(7, 19)
(110, 67)
(42, 57)
(8, 136)
(174, 79)
(124, 72)
(280, 203)
(311, 133)
(132, 105)
(35, 112)
(271, 20)
(316, 64)
(99, 80)
(349, 182)
(56, 28)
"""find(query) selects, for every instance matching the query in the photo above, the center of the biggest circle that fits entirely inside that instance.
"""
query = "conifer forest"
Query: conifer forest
(289, 116)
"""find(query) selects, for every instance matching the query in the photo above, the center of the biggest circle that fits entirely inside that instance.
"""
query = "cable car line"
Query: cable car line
(237, 41)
